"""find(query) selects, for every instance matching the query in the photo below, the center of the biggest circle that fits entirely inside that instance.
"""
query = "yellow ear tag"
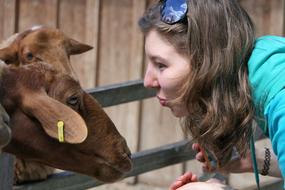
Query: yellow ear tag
(60, 131)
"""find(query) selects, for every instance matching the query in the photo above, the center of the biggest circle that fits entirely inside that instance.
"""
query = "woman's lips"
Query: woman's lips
(162, 101)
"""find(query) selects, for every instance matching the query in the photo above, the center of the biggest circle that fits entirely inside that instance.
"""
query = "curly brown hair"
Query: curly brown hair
(218, 36)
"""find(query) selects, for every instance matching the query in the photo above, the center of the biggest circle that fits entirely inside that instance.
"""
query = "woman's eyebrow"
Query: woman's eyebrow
(157, 57)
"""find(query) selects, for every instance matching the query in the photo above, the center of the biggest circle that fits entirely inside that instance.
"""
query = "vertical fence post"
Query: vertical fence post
(6, 171)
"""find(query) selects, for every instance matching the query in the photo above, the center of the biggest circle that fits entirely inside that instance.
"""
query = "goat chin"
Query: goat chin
(32, 171)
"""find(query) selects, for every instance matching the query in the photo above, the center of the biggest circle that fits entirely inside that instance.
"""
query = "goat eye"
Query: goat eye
(29, 56)
(73, 100)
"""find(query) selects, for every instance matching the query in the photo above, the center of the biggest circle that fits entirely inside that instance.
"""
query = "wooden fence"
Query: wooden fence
(110, 26)
(143, 161)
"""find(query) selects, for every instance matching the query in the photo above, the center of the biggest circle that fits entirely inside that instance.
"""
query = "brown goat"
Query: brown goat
(53, 47)
(39, 44)
(103, 155)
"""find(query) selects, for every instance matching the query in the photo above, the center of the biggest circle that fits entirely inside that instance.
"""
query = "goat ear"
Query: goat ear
(9, 55)
(49, 111)
(74, 47)
(9, 49)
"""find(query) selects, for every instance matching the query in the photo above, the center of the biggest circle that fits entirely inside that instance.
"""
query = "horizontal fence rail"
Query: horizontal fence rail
(143, 161)
(121, 93)
(6, 171)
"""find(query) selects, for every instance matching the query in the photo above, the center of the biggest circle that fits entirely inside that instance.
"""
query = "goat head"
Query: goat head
(103, 154)
(42, 44)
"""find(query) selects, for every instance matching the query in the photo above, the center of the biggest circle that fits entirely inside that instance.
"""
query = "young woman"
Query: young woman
(208, 68)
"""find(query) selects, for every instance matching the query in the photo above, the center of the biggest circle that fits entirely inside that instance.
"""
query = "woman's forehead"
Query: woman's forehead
(156, 44)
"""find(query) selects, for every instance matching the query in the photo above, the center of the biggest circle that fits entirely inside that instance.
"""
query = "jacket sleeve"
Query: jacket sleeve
(275, 116)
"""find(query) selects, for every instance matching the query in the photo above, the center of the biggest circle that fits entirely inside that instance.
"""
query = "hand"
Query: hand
(186, 178)
(204, 186)
(238, 165)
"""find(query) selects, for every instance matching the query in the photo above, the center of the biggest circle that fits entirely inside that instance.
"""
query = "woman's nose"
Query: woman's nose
(150, 80)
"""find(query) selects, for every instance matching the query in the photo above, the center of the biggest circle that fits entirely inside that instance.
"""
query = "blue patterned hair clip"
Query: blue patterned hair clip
(173, 11)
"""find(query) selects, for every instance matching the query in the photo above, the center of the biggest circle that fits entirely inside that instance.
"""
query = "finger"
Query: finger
(187, 177)
(200, 157)
(196, 147)
(194, 178)
(175, 185)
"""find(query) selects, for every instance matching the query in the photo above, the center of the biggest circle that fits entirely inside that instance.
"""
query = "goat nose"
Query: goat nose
(125, 148)
(128, 153)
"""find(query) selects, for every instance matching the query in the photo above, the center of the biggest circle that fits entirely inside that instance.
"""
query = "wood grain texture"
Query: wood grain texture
(7, 18)
(79, 20)
(37, 12)
(121, 58)
(159, 127)
(268, 16)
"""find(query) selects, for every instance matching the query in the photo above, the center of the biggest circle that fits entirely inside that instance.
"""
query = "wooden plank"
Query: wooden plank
(37, 12)
(160, 157)
(7, 18)
(6, 171)
(159, 127)
(120, 58)
(79, 20)
(92, 38)
(268, 16)
(121, 42)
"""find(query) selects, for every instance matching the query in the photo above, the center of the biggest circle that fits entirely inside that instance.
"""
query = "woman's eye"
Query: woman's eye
(161, 66)
(73, 100)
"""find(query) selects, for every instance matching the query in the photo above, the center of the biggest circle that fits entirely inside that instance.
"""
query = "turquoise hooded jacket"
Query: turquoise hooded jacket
(266, 68)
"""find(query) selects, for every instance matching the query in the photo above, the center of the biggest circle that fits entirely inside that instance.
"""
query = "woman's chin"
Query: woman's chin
(179, 112)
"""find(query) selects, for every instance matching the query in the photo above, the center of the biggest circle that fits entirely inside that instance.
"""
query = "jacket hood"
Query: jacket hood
(266, 69)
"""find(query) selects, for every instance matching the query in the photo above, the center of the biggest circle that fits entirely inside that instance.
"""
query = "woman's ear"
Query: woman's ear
(49, 112)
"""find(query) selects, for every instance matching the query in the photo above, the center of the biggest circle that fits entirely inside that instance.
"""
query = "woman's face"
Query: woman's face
(166, 71)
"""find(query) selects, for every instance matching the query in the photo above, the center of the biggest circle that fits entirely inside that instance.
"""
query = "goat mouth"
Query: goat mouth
(121, 169)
